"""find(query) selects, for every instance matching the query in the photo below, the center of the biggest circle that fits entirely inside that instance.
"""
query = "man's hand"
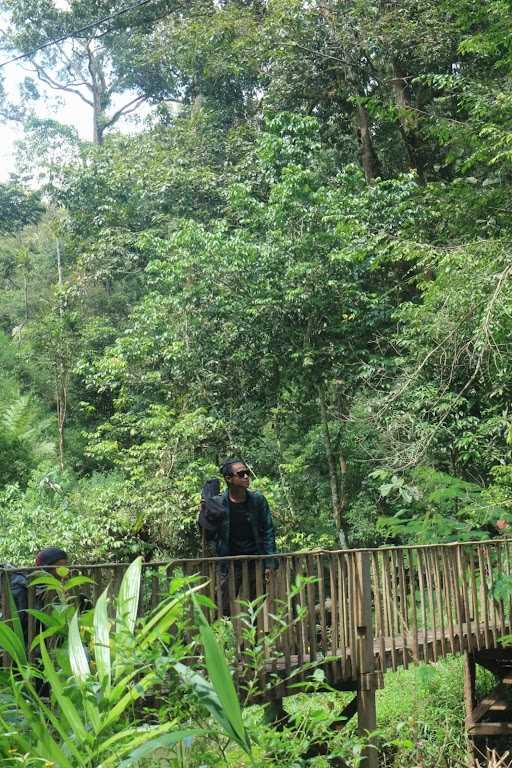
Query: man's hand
(268, 574)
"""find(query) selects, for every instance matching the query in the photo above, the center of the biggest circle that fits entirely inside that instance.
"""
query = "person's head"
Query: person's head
(235, 473)
(51, 556)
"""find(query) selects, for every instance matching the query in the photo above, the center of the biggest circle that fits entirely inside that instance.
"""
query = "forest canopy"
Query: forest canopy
(301, 256)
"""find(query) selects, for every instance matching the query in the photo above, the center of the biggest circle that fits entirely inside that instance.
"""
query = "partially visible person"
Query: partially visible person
(51, 556)
(241, 523)
(19, 581)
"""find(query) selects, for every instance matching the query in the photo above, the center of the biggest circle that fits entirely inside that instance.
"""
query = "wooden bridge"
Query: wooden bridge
(354, 614)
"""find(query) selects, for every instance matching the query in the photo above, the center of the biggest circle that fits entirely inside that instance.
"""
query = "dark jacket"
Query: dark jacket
(261, 522)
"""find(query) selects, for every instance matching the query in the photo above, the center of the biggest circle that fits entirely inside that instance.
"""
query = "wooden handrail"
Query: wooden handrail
(418, 602)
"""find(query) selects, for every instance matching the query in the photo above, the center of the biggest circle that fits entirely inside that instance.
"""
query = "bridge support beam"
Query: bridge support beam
(367, 724)
(368, 677)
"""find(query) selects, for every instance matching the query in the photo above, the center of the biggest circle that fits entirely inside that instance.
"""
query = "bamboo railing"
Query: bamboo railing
(354, 613)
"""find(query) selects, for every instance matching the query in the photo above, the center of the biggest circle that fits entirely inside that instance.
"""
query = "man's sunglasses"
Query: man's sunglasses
(241, 473)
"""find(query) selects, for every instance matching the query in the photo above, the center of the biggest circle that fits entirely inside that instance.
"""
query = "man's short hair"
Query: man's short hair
(226, 467)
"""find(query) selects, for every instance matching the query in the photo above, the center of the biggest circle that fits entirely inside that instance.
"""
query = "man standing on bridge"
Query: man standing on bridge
(243, 525)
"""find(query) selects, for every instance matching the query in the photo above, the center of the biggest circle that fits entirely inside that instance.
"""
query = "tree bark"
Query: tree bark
(333, 474)
(367, 152)
(403, 101)
(62, 376)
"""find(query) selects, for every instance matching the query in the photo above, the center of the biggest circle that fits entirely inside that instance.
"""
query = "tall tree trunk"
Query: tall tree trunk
(333, 473)
(99, 95)
(367, 152)
(61, 388)
(403, 101)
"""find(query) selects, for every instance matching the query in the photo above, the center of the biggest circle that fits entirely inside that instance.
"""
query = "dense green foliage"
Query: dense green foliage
(302, 258)
(106, 687)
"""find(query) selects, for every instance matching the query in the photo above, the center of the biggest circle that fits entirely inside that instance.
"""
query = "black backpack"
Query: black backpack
(19, 590)
(210, 512)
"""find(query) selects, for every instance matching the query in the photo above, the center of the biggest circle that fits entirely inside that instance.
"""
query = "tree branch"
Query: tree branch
(45, 78)
(131, 106)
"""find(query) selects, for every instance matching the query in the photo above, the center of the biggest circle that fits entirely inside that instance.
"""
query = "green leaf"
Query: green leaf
(76, 651)
(134, 693)
(11, 643)
(128, 597)
(16, 622)
(208, 698)
(102, 640)
(221, 679)
(166, 740)
(67, 707)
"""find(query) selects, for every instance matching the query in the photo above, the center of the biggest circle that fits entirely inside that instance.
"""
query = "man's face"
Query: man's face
(239, 476)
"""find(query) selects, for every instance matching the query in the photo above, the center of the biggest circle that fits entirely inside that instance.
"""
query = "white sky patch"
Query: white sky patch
(58, 105)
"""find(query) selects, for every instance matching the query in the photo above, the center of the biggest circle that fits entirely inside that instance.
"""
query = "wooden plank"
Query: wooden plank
(474, 598)
(490, 729)
(484, 597)
(501, 607)
(260, 622)
(220, 578)
(333, 588)
(431, 599)
(469, 687)
(342, 630)
(449, 599)
(310, 591)
(496, 696)
(395, 621)
(465, 601)
(423, 602)
(389, 600)
(492, 603)
(353, 607)
(366, 704)
(414, 609)
(286, 602)
(379, 610)
(439, 596)
(301, 629)
(454, 571)
(321, 603)
(403, 608)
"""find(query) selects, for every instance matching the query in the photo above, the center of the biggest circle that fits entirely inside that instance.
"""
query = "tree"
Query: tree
(18, 207)
(82, 64)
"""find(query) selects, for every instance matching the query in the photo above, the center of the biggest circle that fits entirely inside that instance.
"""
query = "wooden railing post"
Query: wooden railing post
(366, 674)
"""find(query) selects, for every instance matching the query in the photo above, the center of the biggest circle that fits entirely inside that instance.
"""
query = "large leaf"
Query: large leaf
(220, 676)
(102, 640)
(76, 651)
(16, 621)
(67, 707)
(133, 693)
(163, 617)
(128, 597)
(208, 699)
(11, 643)
(148, 747)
